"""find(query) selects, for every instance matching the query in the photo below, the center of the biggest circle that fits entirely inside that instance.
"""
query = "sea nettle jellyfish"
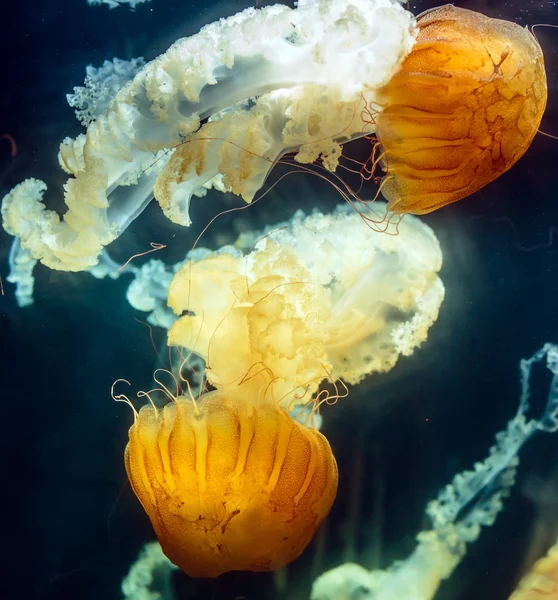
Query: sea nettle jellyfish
(462, 110)
(541, 582)
(455, 98)
(240, 478)
(230, 483)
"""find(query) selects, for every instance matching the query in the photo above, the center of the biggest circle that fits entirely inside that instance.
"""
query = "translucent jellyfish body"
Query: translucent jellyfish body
(322, 297)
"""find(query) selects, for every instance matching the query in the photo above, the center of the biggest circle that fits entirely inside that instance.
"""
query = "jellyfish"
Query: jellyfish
(240, 478)
(219, 109)
(542, 579)
(463, 108)
(230, 483)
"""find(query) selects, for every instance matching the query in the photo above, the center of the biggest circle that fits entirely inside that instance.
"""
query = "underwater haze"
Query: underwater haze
(395, 330)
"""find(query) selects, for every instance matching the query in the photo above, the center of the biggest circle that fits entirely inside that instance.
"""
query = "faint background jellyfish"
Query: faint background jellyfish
(115, 3)
(11, 142)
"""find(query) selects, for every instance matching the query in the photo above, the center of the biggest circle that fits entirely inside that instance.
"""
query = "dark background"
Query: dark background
(72, 526)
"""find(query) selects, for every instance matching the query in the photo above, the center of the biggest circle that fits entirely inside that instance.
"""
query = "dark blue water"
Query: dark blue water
(71, 524)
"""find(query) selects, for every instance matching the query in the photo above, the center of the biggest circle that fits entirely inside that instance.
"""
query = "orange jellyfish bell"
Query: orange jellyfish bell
(541, 582)
(462, 110)
(229, 485)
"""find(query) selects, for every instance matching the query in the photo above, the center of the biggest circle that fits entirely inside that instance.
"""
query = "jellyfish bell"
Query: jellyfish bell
(541, 581)
(228, 483)
(462, 110)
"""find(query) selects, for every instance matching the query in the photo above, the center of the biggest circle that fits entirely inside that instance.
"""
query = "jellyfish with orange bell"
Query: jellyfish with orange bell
(230, 480)
(229, 483)
(455, 99)
(462, 110)
(541, 582)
